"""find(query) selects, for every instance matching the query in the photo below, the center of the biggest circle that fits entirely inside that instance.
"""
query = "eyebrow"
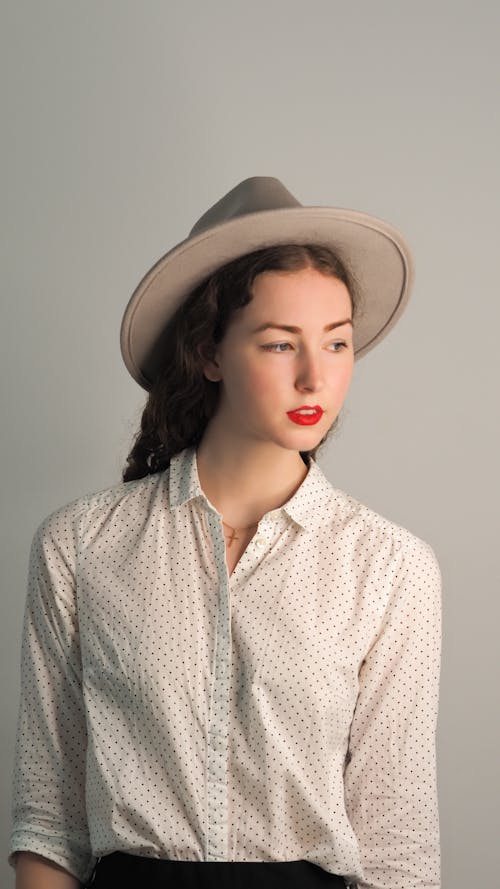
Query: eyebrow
(291, 329)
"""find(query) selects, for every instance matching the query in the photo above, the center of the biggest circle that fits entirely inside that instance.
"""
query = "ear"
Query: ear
(210, 367)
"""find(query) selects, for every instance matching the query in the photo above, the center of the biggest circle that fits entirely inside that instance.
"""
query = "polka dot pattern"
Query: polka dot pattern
(285, 712)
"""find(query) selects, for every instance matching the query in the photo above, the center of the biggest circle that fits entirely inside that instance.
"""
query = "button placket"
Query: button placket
(218, 726)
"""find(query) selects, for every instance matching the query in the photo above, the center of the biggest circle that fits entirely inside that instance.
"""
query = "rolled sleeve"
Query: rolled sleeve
(390, 779)
(48, 798)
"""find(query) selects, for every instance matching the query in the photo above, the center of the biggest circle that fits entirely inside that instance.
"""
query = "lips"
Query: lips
(308, 419)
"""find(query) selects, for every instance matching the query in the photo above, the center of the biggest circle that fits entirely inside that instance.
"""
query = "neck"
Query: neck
(244, 482)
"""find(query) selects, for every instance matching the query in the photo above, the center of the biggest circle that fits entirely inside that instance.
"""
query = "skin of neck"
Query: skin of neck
(244, 479)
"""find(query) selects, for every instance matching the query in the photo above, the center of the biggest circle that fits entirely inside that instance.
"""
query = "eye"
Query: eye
(274, 347)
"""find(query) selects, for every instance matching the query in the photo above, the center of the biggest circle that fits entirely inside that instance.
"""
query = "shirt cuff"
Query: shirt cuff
(79, 863)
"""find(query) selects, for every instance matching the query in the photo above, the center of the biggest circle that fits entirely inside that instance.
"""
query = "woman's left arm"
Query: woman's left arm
(390, 779)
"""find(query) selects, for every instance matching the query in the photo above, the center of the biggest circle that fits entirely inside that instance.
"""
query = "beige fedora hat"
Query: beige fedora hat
(260, 212)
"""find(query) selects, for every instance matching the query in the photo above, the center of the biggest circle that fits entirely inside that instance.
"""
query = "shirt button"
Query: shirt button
(260, 541)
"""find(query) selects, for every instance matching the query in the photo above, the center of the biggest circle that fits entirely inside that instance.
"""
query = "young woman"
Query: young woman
(230, 667)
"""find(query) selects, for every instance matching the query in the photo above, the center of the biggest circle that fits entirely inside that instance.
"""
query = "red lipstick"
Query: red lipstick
(308, 419)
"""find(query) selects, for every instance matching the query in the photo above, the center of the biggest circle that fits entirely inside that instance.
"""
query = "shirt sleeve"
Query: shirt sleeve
(48, 798)
(390, 777)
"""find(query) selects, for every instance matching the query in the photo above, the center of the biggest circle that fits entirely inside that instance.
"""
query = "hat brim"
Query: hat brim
(377, 255)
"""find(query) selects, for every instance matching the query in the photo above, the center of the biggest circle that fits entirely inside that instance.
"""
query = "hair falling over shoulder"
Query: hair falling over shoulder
(182, 401)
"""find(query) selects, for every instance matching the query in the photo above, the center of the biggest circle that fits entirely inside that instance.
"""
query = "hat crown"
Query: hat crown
(253, 195)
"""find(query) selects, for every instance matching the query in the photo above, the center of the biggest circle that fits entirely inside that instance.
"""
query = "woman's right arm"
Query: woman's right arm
(48, 807)
(35, 872)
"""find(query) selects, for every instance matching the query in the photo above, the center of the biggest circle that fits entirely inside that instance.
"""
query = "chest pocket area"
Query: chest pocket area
(111, 628)
(301, 694)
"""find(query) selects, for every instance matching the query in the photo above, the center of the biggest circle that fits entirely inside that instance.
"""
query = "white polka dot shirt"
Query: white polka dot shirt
(285, 712)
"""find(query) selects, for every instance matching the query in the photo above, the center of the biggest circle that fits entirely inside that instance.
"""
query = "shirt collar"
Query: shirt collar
(313, 504)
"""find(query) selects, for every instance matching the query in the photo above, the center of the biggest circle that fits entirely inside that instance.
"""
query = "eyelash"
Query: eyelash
(272, 347)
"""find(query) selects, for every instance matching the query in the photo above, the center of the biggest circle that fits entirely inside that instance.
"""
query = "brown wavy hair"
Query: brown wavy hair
(181, 400)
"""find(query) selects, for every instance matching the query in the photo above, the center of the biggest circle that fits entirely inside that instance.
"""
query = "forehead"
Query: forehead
(307, 291)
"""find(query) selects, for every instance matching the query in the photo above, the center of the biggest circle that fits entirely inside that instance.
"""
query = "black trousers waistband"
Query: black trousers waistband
(121, 870)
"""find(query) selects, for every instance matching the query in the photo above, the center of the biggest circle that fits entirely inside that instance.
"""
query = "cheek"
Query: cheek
(260, 385)
(346, 378)
(341, 379)
(346, 373)
(246, 381)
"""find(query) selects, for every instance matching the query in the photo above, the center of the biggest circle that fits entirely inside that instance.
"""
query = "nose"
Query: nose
(309, 373)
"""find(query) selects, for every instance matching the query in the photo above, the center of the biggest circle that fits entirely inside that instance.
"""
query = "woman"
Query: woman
(230, 667)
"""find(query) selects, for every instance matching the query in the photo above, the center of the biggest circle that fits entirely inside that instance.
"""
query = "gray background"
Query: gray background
(121, 124)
